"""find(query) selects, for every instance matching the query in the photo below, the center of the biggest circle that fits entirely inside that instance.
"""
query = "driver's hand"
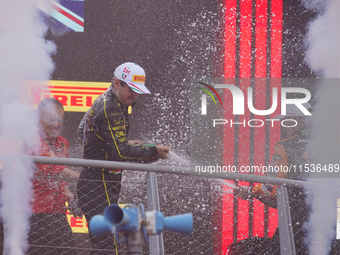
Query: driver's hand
(243, 192)
(163, 151)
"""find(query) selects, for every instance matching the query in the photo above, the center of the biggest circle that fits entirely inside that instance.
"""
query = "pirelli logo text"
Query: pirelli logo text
(74, 96)
(138, 78)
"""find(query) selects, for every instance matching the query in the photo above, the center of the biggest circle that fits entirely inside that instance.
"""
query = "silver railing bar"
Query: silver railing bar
(164, 169)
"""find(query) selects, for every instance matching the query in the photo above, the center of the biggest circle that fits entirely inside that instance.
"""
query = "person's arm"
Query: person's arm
(162, 151)
(69, 196)
(266, 193)
(114, 131)
(134, 142)
(69, 173)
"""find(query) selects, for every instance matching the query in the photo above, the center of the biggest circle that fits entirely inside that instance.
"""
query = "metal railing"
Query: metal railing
(164, 169)
(156, 243)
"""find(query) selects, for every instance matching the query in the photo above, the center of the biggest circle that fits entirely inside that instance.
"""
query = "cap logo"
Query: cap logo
(126, 70)
(138, 78)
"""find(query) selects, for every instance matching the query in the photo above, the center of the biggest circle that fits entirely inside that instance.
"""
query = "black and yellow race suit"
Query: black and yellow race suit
(105, 130)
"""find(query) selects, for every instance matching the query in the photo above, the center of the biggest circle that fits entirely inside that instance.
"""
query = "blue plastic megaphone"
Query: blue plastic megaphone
(99, 226)
(135, 223)
(115, 215)
(124, 220)
(179, 223)
(115, 219)
(132, 219)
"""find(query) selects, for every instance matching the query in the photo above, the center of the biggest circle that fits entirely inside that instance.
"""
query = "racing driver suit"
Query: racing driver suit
(106, 126)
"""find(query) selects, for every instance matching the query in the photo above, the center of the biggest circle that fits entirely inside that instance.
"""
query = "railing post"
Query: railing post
(156, 244)
(287, 245)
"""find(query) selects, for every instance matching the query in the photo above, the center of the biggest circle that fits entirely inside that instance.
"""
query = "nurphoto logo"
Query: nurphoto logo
(238, 104)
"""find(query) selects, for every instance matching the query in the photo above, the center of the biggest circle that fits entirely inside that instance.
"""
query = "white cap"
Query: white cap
(293, 111)
(133, 75)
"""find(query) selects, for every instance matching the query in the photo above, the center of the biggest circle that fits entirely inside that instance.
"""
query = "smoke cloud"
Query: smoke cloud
(323, 38)
(323, 55)
(24, 55)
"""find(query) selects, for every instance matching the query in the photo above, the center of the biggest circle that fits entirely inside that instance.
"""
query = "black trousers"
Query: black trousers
(95, 192)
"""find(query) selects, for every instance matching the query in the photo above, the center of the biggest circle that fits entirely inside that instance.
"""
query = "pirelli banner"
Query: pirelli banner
(76, 96)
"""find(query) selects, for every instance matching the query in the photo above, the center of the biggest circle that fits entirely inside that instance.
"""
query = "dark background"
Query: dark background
(174, 41)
